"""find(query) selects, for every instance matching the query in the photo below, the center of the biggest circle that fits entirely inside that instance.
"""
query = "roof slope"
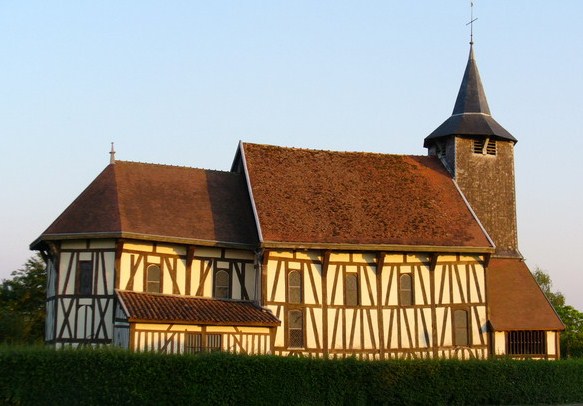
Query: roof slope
(471, 113)
(147, 307)
(322, 197)
(516, 301)
(160, 201)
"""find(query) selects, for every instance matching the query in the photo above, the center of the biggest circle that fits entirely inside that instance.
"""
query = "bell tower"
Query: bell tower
(479, 154)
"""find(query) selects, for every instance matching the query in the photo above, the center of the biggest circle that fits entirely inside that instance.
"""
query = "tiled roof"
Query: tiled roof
(147, 307)
(323, 197)
(161, 201)
(516, 301)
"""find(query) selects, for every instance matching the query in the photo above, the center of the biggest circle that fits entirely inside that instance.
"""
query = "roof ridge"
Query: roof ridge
(170, 166)
(330, 151)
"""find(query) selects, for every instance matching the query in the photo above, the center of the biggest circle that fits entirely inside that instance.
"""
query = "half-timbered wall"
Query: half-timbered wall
(407, 305)
(81, 313)
(187, 270)
(172, 338)
(51, 299)
(83, 276)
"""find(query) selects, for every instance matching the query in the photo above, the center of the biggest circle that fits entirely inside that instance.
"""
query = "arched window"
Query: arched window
(460, 327)
(351, 297)
(295, 326)
(222, 285)
(153, 278)
(294, 287)
(406, 289)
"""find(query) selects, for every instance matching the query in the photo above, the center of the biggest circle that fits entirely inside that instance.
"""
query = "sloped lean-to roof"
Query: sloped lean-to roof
(162, 203)
(156, 308)
(515, 300)
(309, 198)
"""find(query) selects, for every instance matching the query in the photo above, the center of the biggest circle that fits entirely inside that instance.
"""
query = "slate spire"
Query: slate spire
(471, 114)
(471, 97)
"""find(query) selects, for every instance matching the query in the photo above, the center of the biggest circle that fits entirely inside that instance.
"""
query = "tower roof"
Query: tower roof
(471, 113)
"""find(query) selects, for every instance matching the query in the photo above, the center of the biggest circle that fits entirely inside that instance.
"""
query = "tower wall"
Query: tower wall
(487, 181)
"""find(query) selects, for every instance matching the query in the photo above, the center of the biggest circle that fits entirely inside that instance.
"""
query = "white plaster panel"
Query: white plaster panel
(367, 274)
(171, 249)
(311, 334)
(417, 258)
(313, 270)
(144, 247)
(250, 280)
(462, 271)
(309, 255)
(281, 254)
(499, 343)
(470, 258)
(425, 334)
(84, 256)
(73, 245)
(340, 257)
(551, 344)
(239, 254)
(223, 265)
(102, 244)
(280, 332)
(63, 281)
(447, 258)
(394, 259)
(207, 252)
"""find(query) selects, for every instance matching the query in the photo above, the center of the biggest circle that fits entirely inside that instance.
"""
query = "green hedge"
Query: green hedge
(32, 376)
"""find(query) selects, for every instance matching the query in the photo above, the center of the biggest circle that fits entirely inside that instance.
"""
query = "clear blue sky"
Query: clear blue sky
(182, 82)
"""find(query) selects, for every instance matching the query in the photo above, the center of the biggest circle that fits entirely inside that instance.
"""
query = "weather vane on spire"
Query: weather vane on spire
(112, 155)
(471, 23)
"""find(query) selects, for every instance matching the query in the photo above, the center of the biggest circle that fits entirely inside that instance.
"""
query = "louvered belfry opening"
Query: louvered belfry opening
(478, 147)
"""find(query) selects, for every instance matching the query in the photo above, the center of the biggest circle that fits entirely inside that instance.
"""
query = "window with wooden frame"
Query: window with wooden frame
(294, 287)
(295, 329)
(484, 146)
(197, 342)
(222, 284)
(406, 289)
(84, 278)
(527, 342)
(351, 291)
(461, 328)
(153, 279)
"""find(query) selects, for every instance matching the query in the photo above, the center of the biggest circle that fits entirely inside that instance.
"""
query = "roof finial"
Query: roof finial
(471, 23)
(112, 155)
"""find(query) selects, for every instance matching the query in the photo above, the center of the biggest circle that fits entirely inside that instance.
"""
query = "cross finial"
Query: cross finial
(112, 155)
(471, 23)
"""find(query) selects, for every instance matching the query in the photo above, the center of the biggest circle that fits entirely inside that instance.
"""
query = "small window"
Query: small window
(406, 290)
(526, 343)
(351, 297)
(84, 282)
(484, 147)
(196, 342)
(295, 325)
(222, 285)
(294, 287)
(153, 278)
(461, 330)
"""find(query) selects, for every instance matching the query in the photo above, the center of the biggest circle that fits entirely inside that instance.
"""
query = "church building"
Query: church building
(307, 252)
